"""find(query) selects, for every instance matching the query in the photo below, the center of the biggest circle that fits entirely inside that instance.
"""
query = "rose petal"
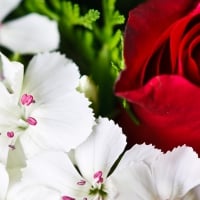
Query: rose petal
(182, 35)
(194, 55)
(142, 33)
(181, 29)
(169, 112)
(158, 63)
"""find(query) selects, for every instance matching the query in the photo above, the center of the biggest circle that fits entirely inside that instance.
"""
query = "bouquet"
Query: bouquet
(99, 101)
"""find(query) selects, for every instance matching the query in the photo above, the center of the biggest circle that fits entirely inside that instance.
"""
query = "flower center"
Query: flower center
(26, 101)
(98, 177)
(97, 189)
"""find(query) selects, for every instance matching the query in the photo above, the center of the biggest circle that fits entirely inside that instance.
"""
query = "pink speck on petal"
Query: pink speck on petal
(27, 99)
(67, 198)
(10, 134)
(32, 121)
(81, 182)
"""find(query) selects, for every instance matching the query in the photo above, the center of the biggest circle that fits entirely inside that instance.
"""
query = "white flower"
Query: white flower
(53, 175)
(4, 181)
(32, 33)
(171, 176)
(91, 173)
(43, 109)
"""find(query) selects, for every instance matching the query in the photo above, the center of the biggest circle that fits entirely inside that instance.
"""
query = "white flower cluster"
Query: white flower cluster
(51, 145)
(40, 110)
(53, 148)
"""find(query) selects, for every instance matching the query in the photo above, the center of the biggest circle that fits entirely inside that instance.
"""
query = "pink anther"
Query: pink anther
(32, 121)
(27, 99)
(81, 182)
(67, 198)
(10, 134)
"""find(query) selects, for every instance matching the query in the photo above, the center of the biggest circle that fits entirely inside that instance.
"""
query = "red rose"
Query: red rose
(162, 76)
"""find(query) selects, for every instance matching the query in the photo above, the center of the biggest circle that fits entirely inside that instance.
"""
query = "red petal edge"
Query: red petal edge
(169, 110)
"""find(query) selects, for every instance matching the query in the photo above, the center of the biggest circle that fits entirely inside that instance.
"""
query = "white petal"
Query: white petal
(169, 176)
(16, 158)
(30, 34)
(134, 169)
(135, 182)
(33, 192)
(101, 149)
(51, 170)
(4, 142)
(63, 114)
(4, 181)
(49, 76)
(29, 146)
(176, 172)
(143, 152)
(6, 6)
(9, 114)
(11, 75)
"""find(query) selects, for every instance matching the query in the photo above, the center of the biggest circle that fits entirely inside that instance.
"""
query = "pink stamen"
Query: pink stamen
(67, 198)
(98, 176)
(32, 121)
(27, 99)
(81, 182)
(10, 134)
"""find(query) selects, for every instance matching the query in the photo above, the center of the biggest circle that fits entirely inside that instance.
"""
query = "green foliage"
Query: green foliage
(71, 13)
(62, 9)
(89, 18)
(40, 6)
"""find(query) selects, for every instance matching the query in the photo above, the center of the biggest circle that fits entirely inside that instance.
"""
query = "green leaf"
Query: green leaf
(71, 14)
(89, 18)
(130, 112)
(117, 18)
(41, 7)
